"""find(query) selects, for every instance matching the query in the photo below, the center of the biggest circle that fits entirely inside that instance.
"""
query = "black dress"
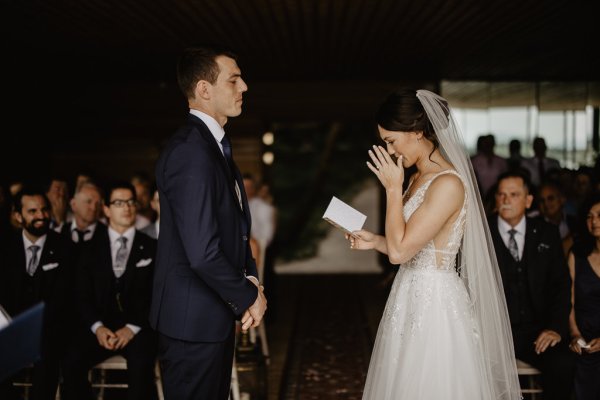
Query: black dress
(587, 316)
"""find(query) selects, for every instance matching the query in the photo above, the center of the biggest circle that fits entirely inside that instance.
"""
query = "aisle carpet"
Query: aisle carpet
(332, 337)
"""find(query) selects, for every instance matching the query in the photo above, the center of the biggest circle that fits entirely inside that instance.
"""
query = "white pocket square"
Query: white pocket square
(50, 266)
(143, 263)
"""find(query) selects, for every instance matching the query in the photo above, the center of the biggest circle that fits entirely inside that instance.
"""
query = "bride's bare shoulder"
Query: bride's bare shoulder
(447, 188)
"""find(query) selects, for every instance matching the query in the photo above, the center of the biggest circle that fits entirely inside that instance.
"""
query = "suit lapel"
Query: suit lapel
(500, 247)
(104, 255)
(134, 255)
(210, 139)
(530, 252)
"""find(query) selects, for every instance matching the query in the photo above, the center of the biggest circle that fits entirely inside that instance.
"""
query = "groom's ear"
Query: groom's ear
(202, 90)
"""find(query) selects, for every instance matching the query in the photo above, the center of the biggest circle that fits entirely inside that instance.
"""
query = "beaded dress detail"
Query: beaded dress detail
(427, 342)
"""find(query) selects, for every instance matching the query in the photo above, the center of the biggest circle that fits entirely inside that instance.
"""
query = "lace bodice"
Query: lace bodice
(426, 257)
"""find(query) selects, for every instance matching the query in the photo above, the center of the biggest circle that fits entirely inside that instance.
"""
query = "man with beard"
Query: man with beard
(536, 284)
(36, 266)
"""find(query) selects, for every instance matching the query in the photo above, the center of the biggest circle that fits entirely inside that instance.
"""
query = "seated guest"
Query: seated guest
(153, 229)
(58, 195)
(584, 266)
(552, 207)
(86, 205)
(114, 289)
(143, 193)
(36, 266)
(536, 285)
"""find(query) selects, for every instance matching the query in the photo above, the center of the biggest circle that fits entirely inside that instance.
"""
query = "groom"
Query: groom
(205, 276)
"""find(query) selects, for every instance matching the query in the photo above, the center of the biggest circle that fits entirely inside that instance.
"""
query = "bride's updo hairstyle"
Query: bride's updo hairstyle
(403, 112)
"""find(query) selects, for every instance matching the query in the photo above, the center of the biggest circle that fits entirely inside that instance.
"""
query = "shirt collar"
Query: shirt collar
(40, 242)
(212, 124)
(504, 226)
(114, 235)
(90, 228)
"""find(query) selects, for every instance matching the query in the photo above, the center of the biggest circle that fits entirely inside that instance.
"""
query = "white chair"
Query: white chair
(24, 382)
(530, 372)
(119, 363)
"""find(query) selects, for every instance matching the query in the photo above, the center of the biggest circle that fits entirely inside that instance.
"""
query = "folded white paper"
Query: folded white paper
(342, 216)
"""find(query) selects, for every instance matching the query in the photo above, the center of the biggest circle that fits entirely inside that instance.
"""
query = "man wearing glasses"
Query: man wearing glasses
(114, 290)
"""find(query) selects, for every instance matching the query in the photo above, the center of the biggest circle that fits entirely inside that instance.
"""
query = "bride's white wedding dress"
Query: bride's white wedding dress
(428, 343)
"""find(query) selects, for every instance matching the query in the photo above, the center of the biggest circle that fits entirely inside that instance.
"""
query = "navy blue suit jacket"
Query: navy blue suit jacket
(203, 256)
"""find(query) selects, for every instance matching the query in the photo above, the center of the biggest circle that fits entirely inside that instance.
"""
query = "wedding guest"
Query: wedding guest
(114, 290)
(536, 285)
(539, 165)
(143, 193)
(35, 266)
(487, 165)
(584, 267)
(86, 205)
(552, 207)
(153, 229)
(58, 195)
(515, 160)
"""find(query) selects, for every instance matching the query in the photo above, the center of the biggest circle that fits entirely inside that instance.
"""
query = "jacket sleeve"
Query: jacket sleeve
(88, 309)
(191, 188)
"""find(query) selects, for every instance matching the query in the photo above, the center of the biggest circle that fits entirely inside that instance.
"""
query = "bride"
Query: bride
(445, 331)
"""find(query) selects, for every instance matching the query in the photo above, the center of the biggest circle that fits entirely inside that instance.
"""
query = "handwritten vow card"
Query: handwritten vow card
(344, 217)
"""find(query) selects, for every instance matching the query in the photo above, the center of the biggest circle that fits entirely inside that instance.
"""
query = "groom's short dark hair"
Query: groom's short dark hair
(199, 63)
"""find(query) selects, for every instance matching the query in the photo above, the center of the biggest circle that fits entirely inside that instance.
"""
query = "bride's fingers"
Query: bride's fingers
(383, 155)
(375, 158)
(374, 169)
(380, 156)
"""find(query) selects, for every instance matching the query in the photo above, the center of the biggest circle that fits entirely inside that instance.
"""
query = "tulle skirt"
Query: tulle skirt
(427, 345)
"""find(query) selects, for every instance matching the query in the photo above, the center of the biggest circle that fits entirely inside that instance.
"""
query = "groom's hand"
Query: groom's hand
(253, 316)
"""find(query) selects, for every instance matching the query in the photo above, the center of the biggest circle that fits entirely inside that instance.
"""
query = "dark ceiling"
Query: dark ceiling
(311, 39)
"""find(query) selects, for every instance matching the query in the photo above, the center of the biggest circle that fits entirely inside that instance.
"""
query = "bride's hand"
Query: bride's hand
(362, 240)
(389, 173)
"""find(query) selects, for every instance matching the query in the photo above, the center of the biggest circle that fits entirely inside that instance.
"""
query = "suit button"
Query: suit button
(245, 238)
(519, 270)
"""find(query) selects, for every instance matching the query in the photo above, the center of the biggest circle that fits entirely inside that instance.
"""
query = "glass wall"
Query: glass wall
(565, 123)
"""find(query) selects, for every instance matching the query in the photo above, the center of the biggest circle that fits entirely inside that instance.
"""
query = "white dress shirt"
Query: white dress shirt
(504, 227)
(86, 236)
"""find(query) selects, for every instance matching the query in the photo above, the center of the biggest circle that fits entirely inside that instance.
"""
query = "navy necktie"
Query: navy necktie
(226, 143)
(227, 152)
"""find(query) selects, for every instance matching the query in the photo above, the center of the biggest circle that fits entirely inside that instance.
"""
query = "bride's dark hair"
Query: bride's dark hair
(403, 112)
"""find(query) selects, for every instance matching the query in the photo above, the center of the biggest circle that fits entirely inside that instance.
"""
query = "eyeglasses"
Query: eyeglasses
(121, 203)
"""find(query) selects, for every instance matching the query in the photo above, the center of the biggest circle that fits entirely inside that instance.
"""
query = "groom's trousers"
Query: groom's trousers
(196, 370)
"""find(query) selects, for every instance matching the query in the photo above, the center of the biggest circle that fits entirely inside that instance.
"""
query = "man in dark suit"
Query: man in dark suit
(205, 274)
(114, 289)
(536, 285)
(86, 205)
(37, 266)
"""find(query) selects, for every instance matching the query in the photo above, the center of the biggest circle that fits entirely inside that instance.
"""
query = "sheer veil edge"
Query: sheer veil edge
(477, 261)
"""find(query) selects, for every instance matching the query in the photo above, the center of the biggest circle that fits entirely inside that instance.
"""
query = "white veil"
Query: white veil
(479, 267)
